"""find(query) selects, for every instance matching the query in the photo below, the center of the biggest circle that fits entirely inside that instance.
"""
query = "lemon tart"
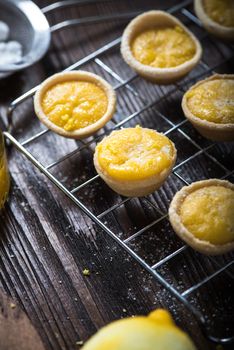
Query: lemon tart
(156, 331)
(217, 16)
(209, 106)
(75, 104)
(202, 215)
(135, 161)
(159, 47)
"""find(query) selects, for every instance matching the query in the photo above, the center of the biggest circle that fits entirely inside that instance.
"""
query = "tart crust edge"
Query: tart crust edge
(157, 75)
(211, 130)
(202, 246)
(135, 188)
(210, 25)
(80, 76)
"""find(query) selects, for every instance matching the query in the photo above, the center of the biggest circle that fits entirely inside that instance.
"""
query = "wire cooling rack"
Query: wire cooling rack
(192, 148)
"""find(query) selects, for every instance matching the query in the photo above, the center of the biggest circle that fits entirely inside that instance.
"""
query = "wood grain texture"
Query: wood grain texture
(47, 242)
(16, 331)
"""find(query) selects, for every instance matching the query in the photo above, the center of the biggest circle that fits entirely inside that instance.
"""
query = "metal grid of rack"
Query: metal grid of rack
(26, 147)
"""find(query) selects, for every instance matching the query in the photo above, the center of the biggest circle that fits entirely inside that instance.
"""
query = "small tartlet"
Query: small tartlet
(208, 129)
(131, 186)
(79, 76)
(203, 246)
(157, 19)
(215, 28)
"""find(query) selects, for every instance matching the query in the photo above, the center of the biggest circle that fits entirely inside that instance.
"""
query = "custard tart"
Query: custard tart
(209, 106)
(75, 104)
(159, 47)
(217, 16)
(136, 161)
(202, 214)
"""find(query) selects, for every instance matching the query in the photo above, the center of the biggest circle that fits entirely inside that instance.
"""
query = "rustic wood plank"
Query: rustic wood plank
(46, 241)
(16, 331)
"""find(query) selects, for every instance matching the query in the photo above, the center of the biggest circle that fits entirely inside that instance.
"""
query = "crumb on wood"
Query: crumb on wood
(79, 342)
(12, 305)
(86, 272)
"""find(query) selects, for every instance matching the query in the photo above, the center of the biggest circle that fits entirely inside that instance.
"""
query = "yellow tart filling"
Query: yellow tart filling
(135, 154)
(213, 101)
(4, 180)
(163, 47)
(74, 105)
(220, 11)
(208, 213)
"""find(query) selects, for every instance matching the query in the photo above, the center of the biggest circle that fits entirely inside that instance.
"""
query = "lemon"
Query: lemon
(157, 331)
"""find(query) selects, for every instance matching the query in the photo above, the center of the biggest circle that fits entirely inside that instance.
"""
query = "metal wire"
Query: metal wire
(152, 269)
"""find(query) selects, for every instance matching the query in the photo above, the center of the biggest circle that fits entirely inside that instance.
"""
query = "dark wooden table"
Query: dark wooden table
(47, 242)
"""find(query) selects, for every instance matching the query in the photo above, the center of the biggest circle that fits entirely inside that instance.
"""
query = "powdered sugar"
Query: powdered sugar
(10, 51)
(4, 31)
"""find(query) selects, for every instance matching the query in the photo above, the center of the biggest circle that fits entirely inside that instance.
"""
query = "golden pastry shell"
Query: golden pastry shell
(202, 246)
(152, 19)
(210, 130)
(226, 33)
(77, 76)
(135, 188)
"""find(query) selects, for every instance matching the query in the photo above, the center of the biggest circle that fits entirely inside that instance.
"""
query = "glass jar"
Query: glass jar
(4, 174)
